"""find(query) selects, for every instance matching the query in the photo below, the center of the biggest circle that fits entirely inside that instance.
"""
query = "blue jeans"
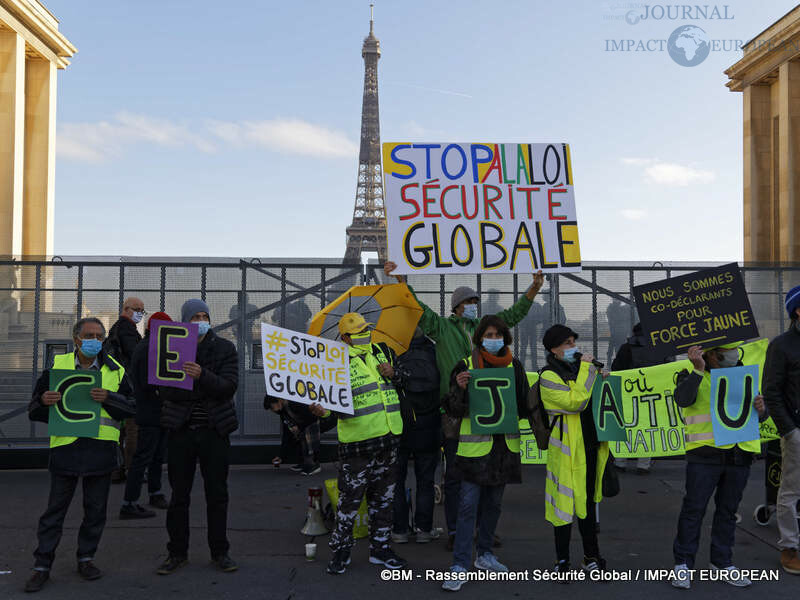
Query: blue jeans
(452, 485)
(702, 480)
(424, 470)
(490, 499)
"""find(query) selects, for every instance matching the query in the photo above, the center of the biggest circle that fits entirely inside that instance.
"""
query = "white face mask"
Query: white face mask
(137, 316)
(470, 311)
(729, 358)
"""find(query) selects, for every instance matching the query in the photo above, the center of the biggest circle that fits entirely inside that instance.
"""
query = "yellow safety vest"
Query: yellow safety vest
(697, 417)
(473, 445)
(376, 406)
(109, 427)
(565, 483)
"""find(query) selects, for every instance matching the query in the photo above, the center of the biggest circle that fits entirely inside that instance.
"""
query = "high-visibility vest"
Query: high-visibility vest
(565, 483)
(109, 427)
(697, 417)
(376, 406)
(475, 445)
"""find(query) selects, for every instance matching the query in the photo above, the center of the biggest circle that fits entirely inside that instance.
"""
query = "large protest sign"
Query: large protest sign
(468, 208)
(733, 417)
(171, 345)
(493, 401)
(306, 368)
(707, 308)
(607, 409)
(76, 414)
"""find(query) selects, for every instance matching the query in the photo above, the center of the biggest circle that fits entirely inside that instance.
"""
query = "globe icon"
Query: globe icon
(688, 45)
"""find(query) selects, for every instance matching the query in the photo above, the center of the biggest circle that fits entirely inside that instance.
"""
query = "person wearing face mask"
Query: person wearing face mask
(453, 337)
(121, 342)
(576, 459)
(88, 459)
(721, 471)
(782, 396)
(151, 442)
(368, 443)
(486, 462)
(199, 422)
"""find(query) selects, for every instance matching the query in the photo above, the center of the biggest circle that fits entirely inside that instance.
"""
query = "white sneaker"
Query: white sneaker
(423, 537)
(399, 538)
(489, 562)
(681, 578)
(453, 585)
(734, 576)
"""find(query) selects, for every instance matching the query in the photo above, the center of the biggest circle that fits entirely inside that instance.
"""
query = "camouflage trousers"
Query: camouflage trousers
(374, 475)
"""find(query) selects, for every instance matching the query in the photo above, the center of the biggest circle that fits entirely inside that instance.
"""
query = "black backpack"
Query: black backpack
(540, 420)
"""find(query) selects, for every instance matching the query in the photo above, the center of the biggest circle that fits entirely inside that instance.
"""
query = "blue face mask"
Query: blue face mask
(569, 355)
(493, 346)
(91, 347)
(470, 311)
(203, 327)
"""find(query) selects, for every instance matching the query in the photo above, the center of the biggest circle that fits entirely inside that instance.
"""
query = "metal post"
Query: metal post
(243, 344)
(121, 287)
(441, 295)
(780, 294)
(79, 299)
(480, 308)
(515, 291)
(203, 275)
(595, 345)
(283, 296)
(163, 289)
(322, 288)
(632, 305)
(36, 300)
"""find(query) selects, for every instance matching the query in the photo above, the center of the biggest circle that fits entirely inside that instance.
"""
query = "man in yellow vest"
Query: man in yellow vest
(710, 469)
(368, 443)
(72, 458)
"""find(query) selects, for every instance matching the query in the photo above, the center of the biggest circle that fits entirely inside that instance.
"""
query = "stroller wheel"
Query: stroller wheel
(762, 514)
(437, 494)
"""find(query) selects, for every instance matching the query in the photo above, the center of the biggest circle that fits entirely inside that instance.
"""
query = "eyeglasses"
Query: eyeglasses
(143, 311)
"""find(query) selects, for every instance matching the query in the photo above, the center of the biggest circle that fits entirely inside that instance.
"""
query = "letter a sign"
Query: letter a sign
(607, 409)
(493, 401)
(171, 345)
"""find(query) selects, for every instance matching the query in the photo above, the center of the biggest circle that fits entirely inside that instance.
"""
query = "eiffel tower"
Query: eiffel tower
(367, 233)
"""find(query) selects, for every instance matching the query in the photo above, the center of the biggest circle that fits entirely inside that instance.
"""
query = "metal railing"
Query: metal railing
(40, 300)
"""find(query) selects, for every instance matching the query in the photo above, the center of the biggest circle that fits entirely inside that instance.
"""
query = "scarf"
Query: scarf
(494, 361)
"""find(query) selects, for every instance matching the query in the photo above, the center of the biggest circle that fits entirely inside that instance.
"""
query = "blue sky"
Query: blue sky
(198, 128)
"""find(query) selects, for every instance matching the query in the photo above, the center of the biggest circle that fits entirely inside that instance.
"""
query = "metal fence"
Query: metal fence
(40, 300)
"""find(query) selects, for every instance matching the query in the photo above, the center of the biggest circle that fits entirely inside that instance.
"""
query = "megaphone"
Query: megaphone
(314, 524)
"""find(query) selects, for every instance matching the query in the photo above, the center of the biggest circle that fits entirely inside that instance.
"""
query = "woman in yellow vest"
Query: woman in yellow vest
(576, 460)
(368, 443)
(88, 458)
(486, 462)
(721, 471)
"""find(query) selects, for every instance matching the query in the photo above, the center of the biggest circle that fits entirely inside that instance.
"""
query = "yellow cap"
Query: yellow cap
(729, 346)
(352, 323)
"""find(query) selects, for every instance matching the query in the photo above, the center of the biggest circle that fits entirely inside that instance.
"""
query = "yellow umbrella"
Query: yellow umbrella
(392, 308)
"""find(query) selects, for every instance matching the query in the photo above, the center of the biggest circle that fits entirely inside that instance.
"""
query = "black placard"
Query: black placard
(707, 308)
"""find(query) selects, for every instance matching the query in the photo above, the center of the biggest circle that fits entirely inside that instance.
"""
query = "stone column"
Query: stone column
(40, 135)
(789, 151)
(12, 131)
(758, 212)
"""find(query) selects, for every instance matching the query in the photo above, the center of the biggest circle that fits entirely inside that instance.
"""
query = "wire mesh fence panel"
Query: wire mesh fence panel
(40, 302)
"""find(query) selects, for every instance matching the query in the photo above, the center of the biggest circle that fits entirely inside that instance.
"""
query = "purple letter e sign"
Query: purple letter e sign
(171, 345)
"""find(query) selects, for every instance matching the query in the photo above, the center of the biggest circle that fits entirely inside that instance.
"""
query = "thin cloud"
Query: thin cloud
(97, 142)
(633, 214)
(104, 140)
(670, 173)
(290, 136)
(430, 89)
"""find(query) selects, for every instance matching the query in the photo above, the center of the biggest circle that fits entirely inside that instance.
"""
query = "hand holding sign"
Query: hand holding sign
(99, 395)
(51, 398)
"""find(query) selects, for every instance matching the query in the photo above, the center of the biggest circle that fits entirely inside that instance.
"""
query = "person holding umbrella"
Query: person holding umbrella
(453, 337)
(368, 443)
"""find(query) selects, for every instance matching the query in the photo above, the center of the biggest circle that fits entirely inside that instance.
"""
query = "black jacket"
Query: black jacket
(122, 340)
(500, 466)
(419, 375)
(148, 397)
(215, 388)
(85, 456)
(687, 385)
(781, 381)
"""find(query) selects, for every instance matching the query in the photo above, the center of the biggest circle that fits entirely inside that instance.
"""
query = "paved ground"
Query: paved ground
(267, 511)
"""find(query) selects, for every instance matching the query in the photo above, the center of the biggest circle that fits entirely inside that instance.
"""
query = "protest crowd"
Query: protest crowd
(410, 407)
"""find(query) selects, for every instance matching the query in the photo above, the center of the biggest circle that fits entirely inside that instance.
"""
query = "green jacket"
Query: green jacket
(453, 335)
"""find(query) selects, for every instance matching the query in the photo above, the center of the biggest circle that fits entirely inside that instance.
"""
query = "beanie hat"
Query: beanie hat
(792, 300)
(557, 335)
(157, 316)
(460, 294)
(191, 307)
